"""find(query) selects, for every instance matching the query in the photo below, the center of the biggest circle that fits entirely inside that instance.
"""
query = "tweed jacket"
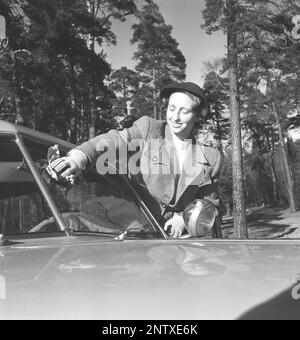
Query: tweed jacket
(164, 190)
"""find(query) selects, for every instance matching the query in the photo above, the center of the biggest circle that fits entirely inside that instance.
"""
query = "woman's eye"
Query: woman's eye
(172, 108)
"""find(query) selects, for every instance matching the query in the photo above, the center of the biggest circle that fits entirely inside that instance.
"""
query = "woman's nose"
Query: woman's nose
(176, 115)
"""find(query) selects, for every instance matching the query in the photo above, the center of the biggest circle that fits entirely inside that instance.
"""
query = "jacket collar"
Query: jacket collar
(194, 173)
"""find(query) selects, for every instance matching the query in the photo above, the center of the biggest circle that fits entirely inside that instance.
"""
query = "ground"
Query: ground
(268, 223)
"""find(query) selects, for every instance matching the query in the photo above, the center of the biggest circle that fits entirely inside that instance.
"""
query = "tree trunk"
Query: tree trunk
(19, 117)
(74, 122)
(92, 130)
(239, 209)
(297, 93)
(285, 163)
(273, 171)
(274, 180)
(92, 95)
(267, 199)
(92, 9)
(154, 95)
(219, 133)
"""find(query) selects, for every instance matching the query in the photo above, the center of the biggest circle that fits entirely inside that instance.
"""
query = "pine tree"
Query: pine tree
(54, 71)
(218, 96)
(226, 16)
(103, 11)
(159, 60)
(124, 83)
(273, 63)
(261, 52)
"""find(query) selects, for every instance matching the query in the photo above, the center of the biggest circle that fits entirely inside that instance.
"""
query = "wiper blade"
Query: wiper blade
(138, 235)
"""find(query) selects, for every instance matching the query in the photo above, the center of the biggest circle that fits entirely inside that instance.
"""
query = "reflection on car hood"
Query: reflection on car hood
(96, 278)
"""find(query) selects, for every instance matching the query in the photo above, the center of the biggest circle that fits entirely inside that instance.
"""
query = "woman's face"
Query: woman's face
(180, 116)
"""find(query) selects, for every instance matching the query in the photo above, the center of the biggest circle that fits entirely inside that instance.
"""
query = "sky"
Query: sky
(186, 18)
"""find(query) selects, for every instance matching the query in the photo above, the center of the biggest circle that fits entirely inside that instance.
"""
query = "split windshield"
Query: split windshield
(94, 204)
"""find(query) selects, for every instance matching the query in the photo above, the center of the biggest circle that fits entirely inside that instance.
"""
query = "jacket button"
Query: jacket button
(164, 205)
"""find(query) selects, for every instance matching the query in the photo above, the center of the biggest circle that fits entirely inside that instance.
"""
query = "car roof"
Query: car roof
(9, 128)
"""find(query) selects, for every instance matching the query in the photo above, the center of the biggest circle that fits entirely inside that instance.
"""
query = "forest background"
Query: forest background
(56, 77)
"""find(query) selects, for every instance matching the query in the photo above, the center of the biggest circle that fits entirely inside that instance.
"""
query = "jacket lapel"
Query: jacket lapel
(168, 152)
(194, 172)
(195, 167)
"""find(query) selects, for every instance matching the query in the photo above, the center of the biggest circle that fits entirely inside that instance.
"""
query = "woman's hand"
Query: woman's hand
(69, 166)
(177, 225)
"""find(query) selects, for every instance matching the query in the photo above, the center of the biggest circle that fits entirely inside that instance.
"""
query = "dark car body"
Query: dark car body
(134, 273)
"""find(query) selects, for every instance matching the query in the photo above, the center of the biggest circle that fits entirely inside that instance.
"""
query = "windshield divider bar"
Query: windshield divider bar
(42, 186)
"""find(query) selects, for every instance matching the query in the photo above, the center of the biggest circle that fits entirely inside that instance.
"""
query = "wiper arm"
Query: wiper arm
(137, 232)
(129, 230)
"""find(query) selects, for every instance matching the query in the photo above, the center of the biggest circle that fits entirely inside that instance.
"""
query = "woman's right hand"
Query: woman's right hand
(176, 225)
(69, 166)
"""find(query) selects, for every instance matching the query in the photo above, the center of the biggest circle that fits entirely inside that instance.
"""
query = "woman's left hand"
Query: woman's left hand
(177, 225)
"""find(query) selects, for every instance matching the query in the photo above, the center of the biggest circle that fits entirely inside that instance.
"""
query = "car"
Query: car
(93, 250)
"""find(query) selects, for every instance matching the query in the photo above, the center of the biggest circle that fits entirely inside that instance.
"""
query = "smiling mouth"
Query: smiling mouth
(175, 124)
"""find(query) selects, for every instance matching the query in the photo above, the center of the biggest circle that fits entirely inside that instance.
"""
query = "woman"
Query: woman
(175, 169)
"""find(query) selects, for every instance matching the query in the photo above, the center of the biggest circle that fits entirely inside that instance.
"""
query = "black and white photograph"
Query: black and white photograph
(149, 162)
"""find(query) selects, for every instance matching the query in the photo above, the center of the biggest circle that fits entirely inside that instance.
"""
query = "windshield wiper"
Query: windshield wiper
(137, 232)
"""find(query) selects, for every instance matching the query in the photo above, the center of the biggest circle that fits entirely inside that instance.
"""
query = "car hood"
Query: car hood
(95, 278)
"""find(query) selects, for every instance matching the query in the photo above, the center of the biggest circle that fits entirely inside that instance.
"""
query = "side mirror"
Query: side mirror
(199, 217)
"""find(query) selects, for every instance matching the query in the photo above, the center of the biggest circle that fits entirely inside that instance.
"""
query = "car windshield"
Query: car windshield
(94, 204)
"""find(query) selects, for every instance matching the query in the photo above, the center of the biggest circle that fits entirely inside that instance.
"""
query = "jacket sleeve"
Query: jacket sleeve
(114, 138)
(210, 192)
